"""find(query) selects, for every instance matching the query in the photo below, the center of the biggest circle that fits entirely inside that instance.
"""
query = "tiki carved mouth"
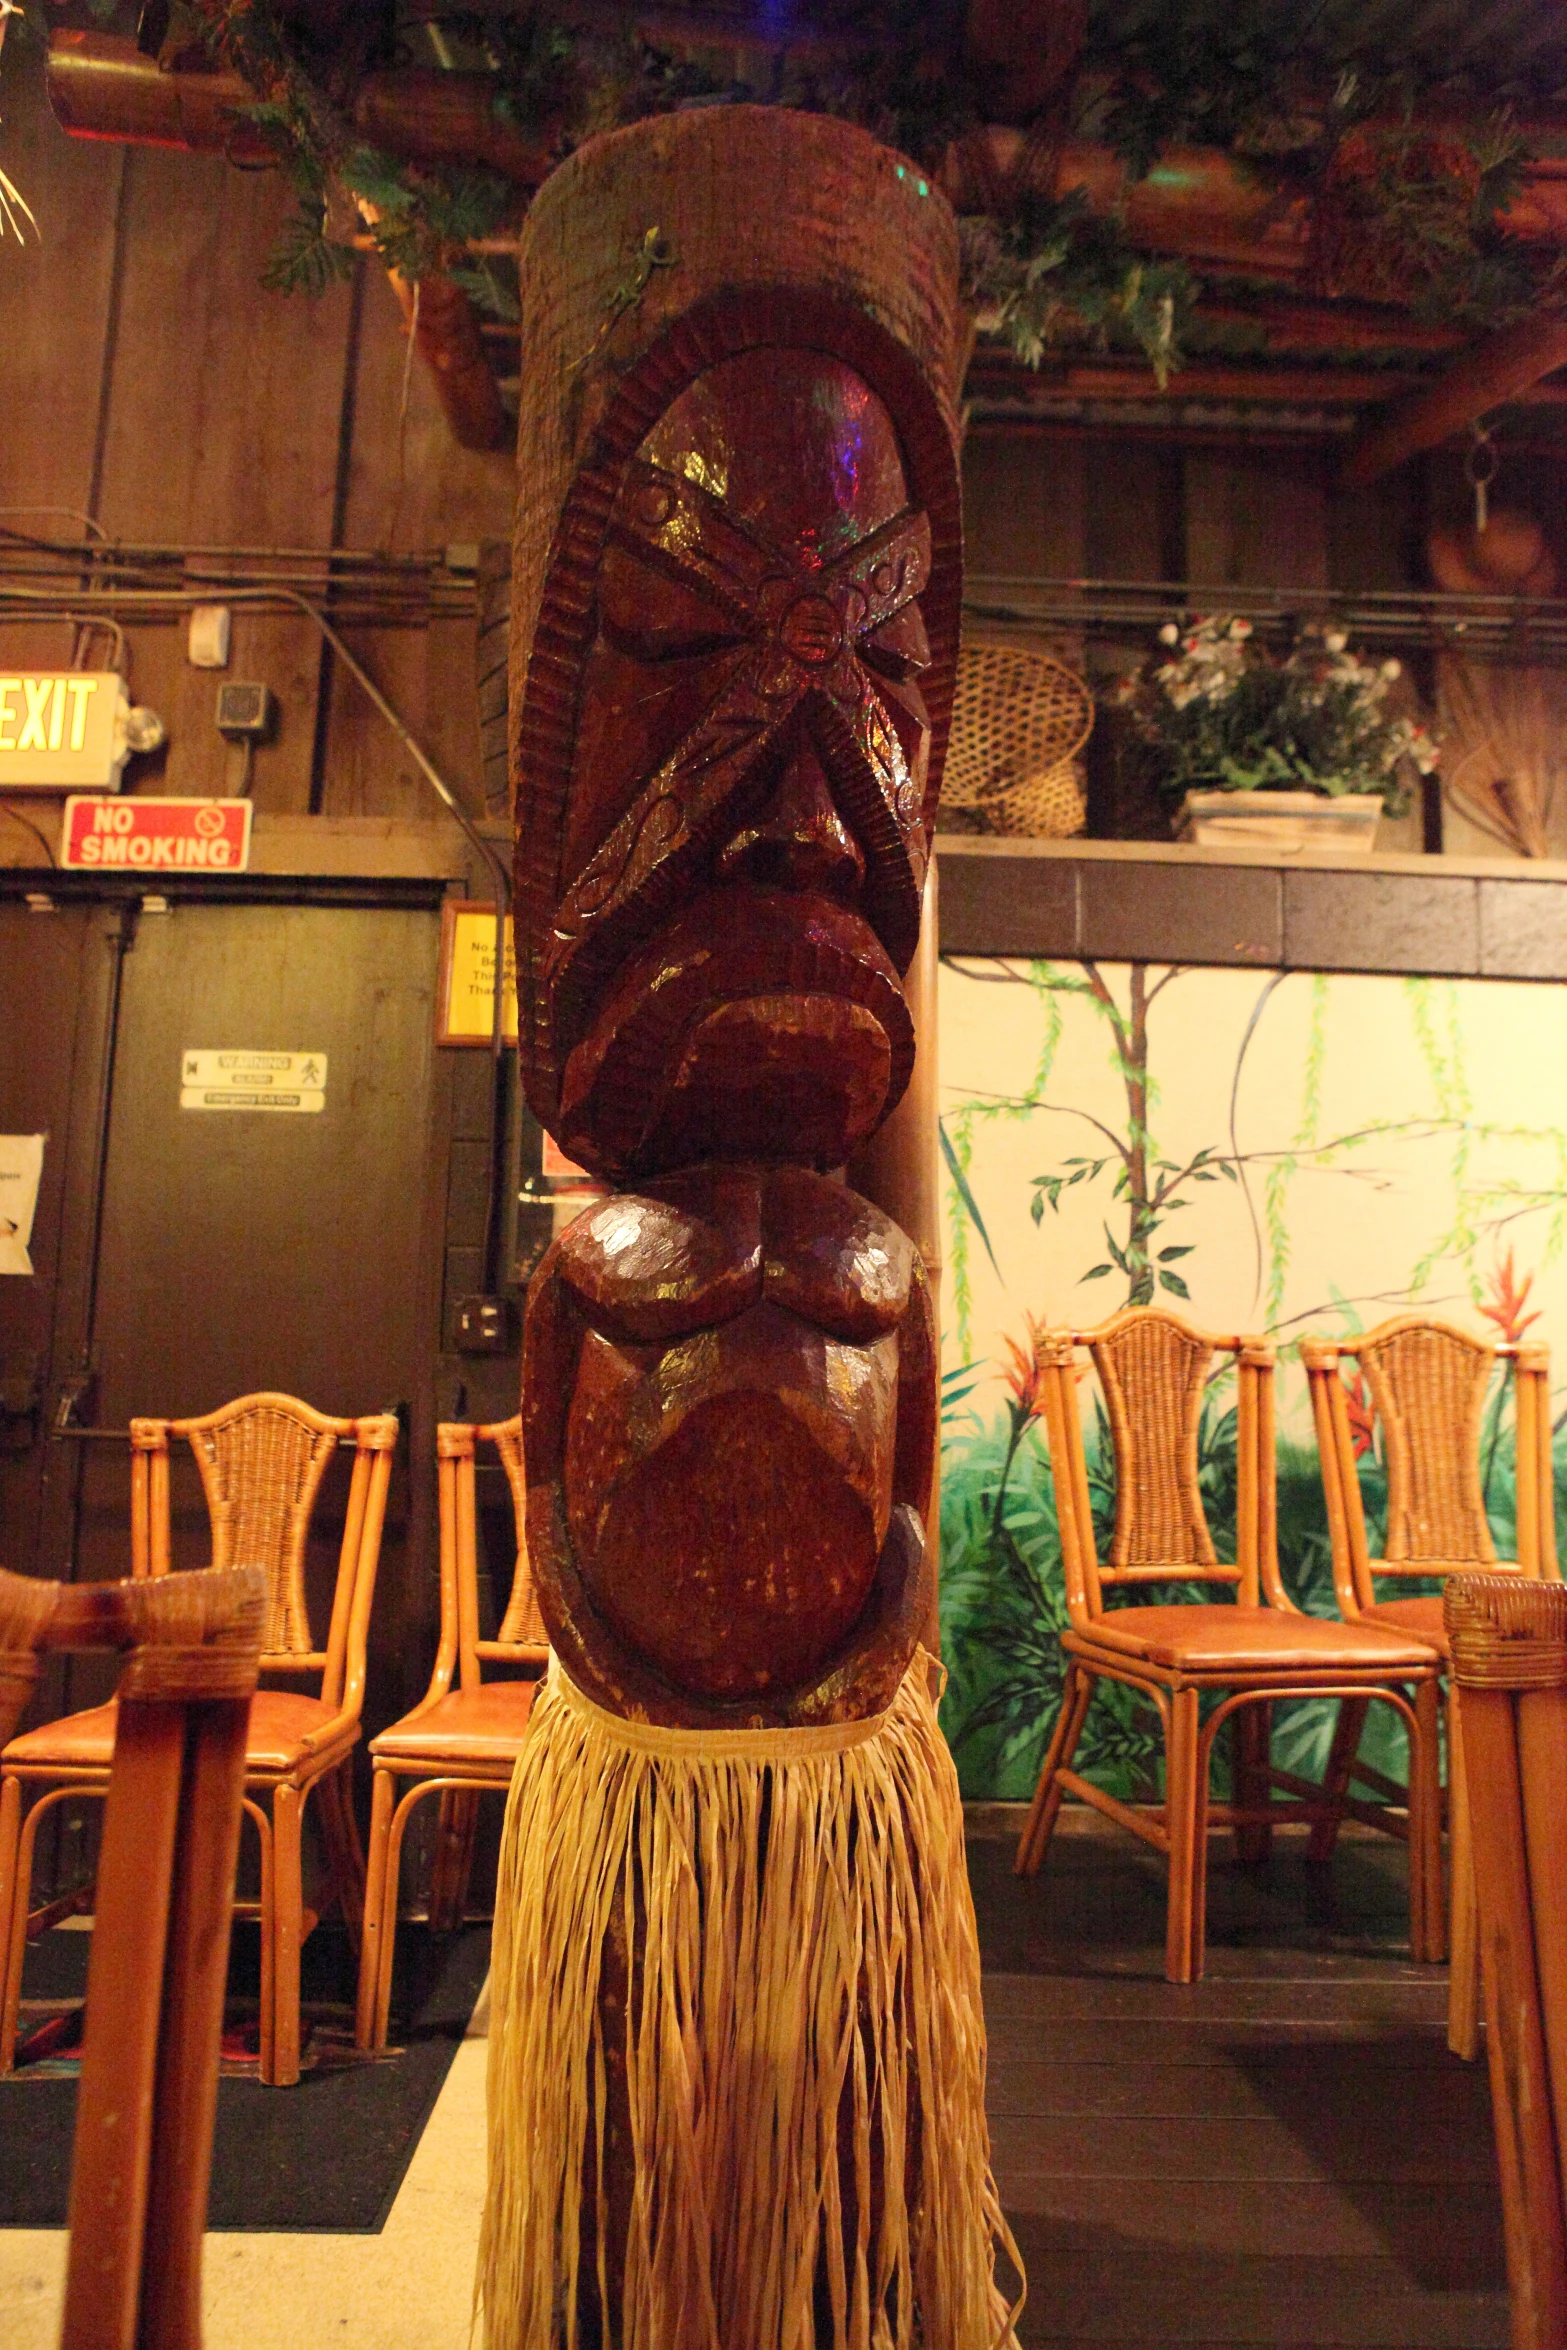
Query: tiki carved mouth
(764, 1024)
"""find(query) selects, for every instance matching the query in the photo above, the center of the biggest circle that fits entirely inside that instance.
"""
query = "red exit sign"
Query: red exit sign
(155, 836)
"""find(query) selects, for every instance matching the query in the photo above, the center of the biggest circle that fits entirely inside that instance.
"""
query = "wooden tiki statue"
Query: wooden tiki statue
(734, 1942)
(735, 629)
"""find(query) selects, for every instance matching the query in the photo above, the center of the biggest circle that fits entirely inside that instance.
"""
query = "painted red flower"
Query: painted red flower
(1362, 1419)
(1023, 1374)
(1509, 1296)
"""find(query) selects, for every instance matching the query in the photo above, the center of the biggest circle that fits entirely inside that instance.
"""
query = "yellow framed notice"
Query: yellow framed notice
(465, 1003)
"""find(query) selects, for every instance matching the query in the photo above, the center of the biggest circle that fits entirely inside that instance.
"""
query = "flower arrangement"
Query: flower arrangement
(1225, 714)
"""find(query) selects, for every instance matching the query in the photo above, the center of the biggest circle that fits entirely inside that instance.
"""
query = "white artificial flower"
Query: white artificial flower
(1392, 669)
(1335, 640)
(1169, 634)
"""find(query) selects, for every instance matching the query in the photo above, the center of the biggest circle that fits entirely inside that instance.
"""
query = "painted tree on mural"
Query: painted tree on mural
(1152, 1188)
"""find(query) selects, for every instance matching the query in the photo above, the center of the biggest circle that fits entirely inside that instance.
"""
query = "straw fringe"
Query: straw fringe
(806, 1994)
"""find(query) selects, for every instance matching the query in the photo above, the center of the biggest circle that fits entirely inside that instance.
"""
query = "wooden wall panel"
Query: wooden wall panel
(1132, 524)
(57, 308)
(224, 423)
(409, 487)
(1024, 506)
(1257, 517)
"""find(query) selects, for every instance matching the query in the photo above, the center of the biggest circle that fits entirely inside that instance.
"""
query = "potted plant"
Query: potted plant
(1279, 751)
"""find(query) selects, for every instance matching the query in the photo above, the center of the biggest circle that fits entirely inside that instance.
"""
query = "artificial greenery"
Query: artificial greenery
(1052, 267)
(1218, 712)
(1389, 117)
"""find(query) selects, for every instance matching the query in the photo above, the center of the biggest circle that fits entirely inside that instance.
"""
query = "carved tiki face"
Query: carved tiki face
(725, 802)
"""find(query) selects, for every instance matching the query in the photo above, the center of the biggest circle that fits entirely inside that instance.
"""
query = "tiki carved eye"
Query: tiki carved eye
(899, 649)
(650, 617)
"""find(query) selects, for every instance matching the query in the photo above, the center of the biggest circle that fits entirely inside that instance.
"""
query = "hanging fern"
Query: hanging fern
(1320, 101)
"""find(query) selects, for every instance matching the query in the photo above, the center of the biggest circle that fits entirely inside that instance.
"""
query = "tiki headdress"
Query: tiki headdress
(735, 620)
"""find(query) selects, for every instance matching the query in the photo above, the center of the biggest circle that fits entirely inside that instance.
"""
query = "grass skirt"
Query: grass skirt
(805, 2005)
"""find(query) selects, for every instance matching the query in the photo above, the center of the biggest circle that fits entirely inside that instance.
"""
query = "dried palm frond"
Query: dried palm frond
(1504, 733)
(13, 204)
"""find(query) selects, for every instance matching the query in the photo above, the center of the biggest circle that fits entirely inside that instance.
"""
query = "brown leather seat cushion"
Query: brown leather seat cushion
(280, 1721)
(486, 1724)
(1200, 1638)
(1416, 1619)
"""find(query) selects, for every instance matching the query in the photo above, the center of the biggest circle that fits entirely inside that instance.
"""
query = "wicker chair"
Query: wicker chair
(262, 1460)
(1507, 1638)
(458, 1743)
(1426, 1383)
(149, 2081)
(1153, 1369)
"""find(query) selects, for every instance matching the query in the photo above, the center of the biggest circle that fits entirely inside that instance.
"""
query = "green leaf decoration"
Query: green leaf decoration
(966, 1195)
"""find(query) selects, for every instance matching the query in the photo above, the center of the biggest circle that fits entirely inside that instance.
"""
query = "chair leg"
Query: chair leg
(394, 1870)
(1076, 1692)
(380, 1910)
(1427, 1910)
(286, 1933)
(1335, 1779)
(13, 1918)
(1463, 1985)
(260, 1816)
(28, 1821)
(345, 1857)
(1186, 1822)
(454, 1835)
(1251, 1729)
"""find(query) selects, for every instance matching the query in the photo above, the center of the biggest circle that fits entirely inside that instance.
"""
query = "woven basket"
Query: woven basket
(1018, 722)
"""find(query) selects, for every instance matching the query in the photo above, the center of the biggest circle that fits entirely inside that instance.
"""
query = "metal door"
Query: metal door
(57, 966)
(185, 1255)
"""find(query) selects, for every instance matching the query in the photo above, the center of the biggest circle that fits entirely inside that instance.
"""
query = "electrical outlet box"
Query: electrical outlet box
(484, 1326)
(245, 712)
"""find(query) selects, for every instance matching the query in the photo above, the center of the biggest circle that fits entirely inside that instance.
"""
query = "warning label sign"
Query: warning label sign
(240, 1080)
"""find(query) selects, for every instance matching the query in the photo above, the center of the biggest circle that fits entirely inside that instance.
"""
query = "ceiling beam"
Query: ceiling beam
(1510, 366)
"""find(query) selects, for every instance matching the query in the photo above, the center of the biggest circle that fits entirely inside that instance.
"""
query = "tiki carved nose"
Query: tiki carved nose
(800, 841)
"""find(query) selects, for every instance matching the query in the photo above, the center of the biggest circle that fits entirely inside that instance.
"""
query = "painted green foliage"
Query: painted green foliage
(1003, 1603)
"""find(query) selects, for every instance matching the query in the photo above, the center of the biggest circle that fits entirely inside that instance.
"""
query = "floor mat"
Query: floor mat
(327, 2156)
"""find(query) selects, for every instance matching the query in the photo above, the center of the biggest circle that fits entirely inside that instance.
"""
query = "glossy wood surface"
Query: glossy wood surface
(729, 1417)
(149, 2080)
(740, 822)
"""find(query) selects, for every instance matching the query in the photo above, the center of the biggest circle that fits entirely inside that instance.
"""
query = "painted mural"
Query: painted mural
(1292, 1154)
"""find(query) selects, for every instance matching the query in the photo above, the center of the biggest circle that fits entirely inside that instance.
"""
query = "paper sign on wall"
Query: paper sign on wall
(466, 1010)
(233, 1080)
(21, 1165)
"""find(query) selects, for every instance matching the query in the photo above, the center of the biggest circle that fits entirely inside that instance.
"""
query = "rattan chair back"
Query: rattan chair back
(1427, 1382)
(147, 2099)
(262, 1459)
(1509, 1647)
(520, 1637)
(1153, 1371)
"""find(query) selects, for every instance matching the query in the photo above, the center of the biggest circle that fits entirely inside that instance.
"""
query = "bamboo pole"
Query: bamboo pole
(897, 1170)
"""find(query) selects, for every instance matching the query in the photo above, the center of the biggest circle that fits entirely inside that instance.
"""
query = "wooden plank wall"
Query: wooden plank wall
(148, 379)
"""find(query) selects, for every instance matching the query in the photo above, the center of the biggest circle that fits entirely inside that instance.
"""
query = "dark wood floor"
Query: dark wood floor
(1284, 2154)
